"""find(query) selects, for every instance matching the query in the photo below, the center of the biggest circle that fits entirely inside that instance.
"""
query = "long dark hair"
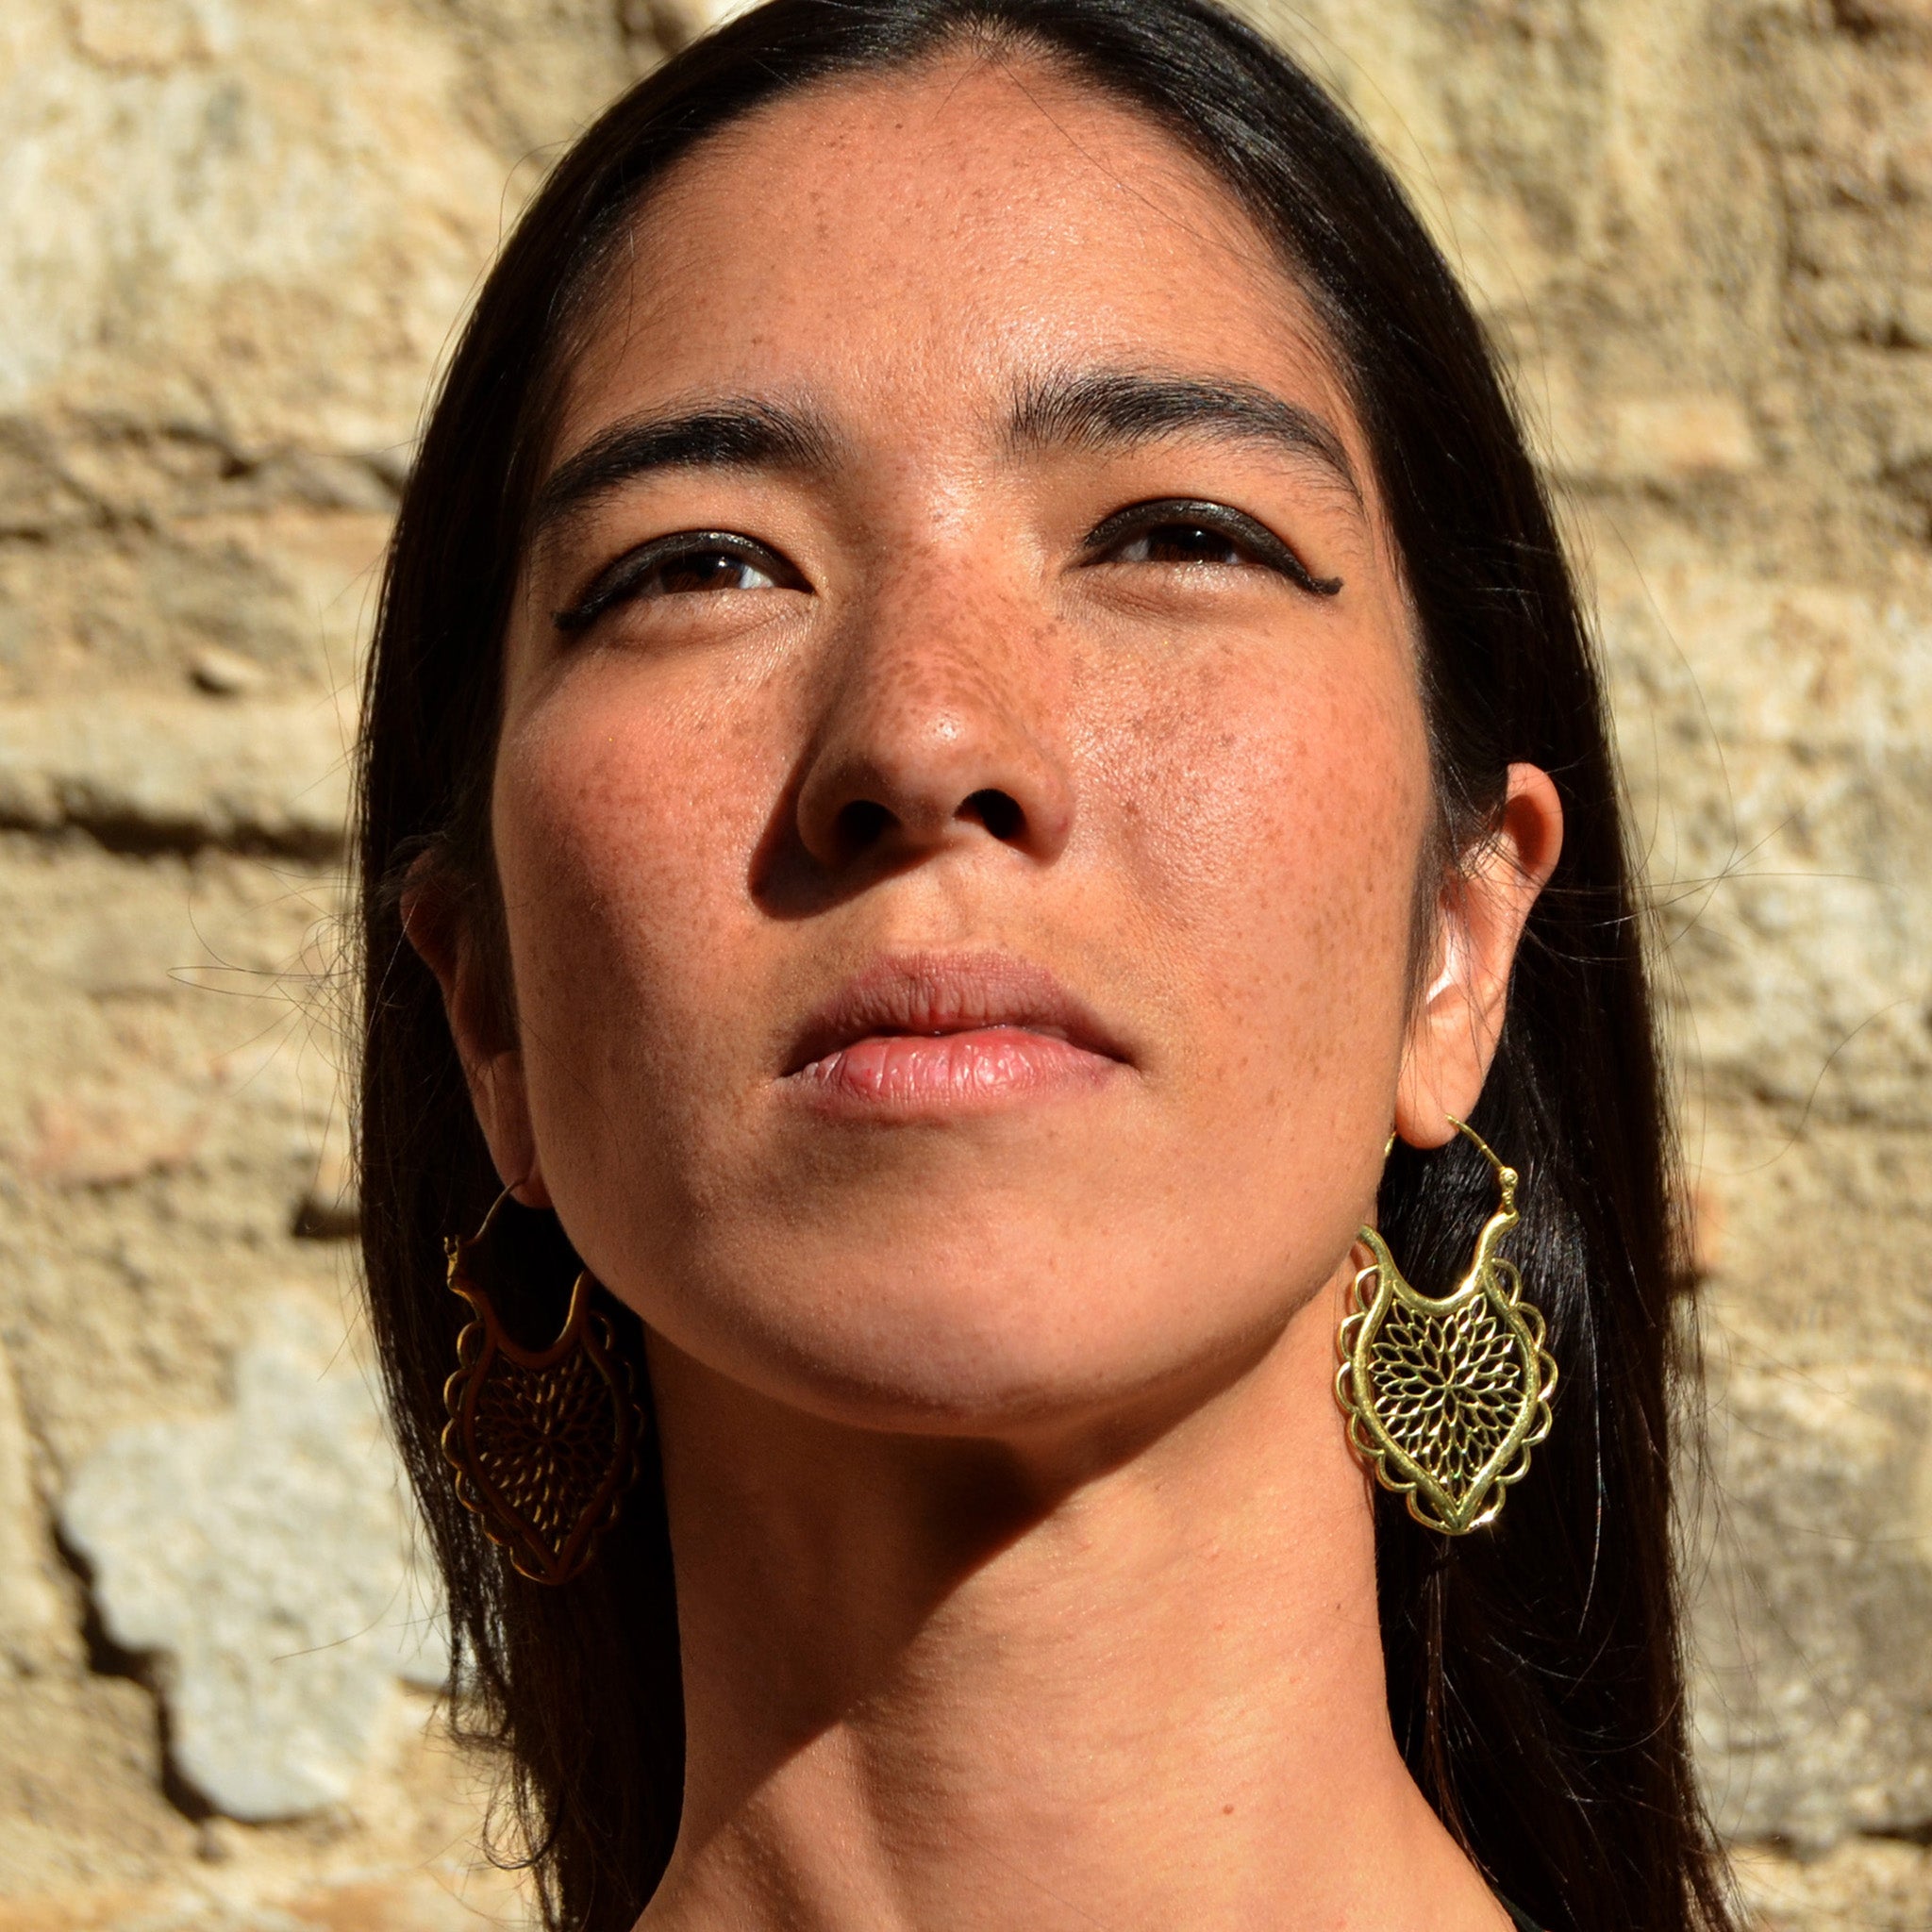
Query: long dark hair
(1535, 1677)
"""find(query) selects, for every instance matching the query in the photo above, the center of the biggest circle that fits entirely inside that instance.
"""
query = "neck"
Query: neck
(941, 1684)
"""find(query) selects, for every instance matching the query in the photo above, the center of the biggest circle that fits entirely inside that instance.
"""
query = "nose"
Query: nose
(940, 731)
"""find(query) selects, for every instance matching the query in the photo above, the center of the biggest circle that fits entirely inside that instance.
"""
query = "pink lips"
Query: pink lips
(949, 1032)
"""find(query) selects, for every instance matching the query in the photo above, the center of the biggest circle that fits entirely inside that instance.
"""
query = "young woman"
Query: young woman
(979, 752)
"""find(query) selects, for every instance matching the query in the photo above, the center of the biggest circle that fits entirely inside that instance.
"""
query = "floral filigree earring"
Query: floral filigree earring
(543, 1441)
(1446, 1398)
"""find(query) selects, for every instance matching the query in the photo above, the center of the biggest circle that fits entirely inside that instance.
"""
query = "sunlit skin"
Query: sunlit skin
(959, 882)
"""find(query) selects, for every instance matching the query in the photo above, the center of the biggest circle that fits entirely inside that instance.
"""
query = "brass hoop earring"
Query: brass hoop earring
(1446, 1398)
(542, 1442)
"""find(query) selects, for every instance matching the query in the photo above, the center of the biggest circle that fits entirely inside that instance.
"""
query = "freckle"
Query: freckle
(1228, 1810)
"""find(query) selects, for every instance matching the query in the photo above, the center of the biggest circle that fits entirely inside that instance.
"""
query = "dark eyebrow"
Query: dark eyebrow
(1112, 408)
(727, 435)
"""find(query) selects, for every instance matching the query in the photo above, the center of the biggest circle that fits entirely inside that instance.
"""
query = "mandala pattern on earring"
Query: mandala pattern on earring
(1446, 1397)
(542, 1442)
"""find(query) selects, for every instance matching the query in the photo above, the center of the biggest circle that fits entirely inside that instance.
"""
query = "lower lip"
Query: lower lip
(950, 1072)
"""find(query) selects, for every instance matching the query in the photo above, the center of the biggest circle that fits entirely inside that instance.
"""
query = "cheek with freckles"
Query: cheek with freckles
(624, 818)
(1274, 816)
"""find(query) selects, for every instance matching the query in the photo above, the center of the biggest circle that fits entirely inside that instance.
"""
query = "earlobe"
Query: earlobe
(1481, 912)
(501, 1098)
(434, 923)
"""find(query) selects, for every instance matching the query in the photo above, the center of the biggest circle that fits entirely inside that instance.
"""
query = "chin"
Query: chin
(1010, 1337)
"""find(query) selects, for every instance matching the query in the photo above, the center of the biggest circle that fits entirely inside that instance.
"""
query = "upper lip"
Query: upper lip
(933, 993)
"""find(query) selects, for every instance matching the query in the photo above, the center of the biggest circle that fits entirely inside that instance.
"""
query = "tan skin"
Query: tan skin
(1025, 1578)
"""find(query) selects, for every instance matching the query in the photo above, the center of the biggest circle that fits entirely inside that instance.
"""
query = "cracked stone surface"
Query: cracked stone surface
(262, 1558)
(27, 1605)
(189, 770)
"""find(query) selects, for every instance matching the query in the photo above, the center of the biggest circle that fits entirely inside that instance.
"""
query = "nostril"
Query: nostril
(998, 811)
(861, 825)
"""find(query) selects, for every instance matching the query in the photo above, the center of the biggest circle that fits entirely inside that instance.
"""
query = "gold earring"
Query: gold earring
(542, 1442)
(1445, 1399)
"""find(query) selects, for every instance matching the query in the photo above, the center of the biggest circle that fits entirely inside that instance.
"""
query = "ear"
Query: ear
(1480, 915)
(441, 928)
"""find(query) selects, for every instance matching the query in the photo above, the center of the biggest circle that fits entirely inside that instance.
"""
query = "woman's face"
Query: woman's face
(957, 845)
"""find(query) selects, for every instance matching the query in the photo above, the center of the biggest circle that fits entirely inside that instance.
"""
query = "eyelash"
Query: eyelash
(626, 579)
(1139, 520)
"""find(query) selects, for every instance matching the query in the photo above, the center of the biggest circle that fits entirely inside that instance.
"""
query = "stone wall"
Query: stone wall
(234, 237)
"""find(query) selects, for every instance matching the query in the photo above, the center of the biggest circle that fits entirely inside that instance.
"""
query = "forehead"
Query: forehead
(915, 248)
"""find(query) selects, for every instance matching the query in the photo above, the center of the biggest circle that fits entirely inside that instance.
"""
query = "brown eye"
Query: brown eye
(689, 563)
(703, 570)
(1182, 543)
(1186, 530)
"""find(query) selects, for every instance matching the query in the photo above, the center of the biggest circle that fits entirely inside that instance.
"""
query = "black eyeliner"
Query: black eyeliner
(618, 579)
(1232, 523)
